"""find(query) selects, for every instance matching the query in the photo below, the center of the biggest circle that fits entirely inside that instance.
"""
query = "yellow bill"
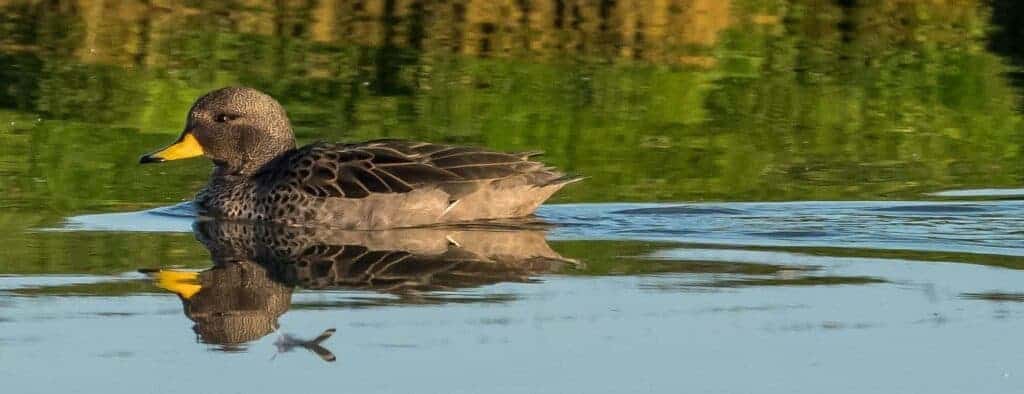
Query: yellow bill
(187, 146)
(183, 283)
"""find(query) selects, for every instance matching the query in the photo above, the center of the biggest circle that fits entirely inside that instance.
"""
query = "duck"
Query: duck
(260, 174)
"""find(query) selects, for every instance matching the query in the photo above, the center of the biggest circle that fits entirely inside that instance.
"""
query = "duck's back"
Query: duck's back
(397, 183)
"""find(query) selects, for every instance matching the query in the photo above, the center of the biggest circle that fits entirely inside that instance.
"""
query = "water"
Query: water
(783, 197)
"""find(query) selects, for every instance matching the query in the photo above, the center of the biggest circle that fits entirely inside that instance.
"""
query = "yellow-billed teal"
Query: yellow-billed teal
(260, 175)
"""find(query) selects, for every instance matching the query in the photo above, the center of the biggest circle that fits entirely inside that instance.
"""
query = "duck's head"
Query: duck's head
(240, 129)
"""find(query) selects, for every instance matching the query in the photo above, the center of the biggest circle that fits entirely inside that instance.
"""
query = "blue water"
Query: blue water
(810, 297)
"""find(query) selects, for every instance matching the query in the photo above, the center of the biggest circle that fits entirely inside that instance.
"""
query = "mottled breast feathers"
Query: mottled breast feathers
(396, 166)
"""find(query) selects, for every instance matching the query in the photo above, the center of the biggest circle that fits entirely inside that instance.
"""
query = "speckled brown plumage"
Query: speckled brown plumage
(260, 176)
(239, 302)
(391, 260)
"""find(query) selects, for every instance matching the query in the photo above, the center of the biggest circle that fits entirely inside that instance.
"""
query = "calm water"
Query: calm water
(784, 197)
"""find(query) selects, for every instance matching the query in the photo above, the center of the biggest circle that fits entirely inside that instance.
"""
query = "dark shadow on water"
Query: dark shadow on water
(117, 288)
(407, 299)
(994, 296)
(801, 281)
(792, 234)
(681, 210)
(933, 208)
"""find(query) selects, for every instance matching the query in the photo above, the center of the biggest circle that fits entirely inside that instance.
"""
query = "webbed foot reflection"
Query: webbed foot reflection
(258, 265)
(287, 343)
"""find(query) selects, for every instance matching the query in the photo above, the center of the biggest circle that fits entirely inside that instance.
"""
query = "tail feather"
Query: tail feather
(563, 180)
(528, 154)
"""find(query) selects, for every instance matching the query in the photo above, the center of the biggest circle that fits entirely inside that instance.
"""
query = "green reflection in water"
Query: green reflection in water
(687, 100)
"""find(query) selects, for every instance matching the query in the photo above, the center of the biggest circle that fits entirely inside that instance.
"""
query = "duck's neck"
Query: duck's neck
(255, 155)
(231, 193)
(228, 196)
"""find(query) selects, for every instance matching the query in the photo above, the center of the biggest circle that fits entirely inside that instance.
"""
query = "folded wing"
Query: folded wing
(398, 166)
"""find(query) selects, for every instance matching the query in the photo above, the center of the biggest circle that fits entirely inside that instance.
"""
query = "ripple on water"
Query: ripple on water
(681, 210)
(933, 208)
(981, 193)
(174, 218)
(646, 271)
(792, 234)
(983, 227)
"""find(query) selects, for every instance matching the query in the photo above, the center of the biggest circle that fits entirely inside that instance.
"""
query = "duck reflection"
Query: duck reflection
(258, 265)
(231, 304)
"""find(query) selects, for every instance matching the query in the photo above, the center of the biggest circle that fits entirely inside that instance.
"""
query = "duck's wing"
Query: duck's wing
(467, 162)
(398, 166)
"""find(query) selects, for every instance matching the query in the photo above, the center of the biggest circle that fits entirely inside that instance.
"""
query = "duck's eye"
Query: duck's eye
(222, 118)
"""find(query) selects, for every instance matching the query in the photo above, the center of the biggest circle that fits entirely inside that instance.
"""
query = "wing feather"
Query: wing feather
(397, 166)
